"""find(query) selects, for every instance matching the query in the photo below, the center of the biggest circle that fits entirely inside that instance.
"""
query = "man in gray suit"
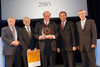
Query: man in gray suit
(87, 37)
(11, 48)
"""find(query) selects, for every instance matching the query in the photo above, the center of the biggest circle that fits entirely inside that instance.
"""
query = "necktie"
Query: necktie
(62, 26)
(13, 32)
(29, 33)
(82, 25)
(46, 24)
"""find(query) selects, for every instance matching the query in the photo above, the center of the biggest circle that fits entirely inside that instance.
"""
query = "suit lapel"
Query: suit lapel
(31, 31)
(86, 23)
(26, 33)
(65, 27)
(80, 28)
(10, 31)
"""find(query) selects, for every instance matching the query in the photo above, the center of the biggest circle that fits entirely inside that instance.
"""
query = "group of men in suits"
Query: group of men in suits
(64, 38)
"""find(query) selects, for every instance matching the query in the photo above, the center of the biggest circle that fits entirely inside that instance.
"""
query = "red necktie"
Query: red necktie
(46, 24)
(62, 25)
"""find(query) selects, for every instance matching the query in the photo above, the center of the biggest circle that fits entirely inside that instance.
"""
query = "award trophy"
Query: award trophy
(46, 31)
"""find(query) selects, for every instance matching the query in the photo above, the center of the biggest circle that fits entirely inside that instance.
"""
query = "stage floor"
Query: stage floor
(76, 66)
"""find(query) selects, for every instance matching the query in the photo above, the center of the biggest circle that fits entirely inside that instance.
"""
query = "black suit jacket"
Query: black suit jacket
(7, 38)
(67, 37)
(25, 41)
(38, 32)
(88, 36)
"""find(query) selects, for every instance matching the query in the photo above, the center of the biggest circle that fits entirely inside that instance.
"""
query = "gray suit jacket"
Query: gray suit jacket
(88, 36)
(7, 38)
(38, 32)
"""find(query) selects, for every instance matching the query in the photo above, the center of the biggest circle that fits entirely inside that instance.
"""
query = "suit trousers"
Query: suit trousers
(68, 58)
(48, 55)
(88, 56)
(9, 59)
(25, 61)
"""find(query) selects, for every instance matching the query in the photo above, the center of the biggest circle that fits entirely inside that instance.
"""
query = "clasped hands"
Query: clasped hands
(15, 43)
(43, 37)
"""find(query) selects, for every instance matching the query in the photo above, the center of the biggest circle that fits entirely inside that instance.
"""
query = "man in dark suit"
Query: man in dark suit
(67, 40)
(47, 44)
(26, 38)
(11, 48)
(87, 37)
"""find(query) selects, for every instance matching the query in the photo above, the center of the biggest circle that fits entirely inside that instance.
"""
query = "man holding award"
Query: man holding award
(46, 33)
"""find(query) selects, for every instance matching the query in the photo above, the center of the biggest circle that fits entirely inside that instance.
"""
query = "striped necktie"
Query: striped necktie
(29, 33)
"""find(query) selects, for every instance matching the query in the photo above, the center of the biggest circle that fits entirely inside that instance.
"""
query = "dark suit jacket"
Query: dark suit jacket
(25, 41)
(88, 36)
(38, 32)
(7, 38)
(67, 37)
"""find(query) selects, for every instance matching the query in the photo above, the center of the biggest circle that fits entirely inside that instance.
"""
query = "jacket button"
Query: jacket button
(83, 36)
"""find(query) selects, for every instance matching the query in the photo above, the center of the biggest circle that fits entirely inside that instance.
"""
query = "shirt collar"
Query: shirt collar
(12, 27)
(84, 20)
(27, 27)
(45, 22)
(64, 22)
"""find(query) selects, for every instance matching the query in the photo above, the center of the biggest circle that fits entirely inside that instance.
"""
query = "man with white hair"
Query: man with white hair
(27, 40)
(11, 49)
(87, 37)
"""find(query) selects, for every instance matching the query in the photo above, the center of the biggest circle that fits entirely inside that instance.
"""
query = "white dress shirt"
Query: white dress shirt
(45, 22)
(83, 22)
(64, 23)
(27, 29)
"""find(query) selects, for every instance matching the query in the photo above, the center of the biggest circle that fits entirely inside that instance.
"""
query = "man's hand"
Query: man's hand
(35, 50)
(29, 51)
(58, 50)
(42, 37)
(15, 43)
(78, 47)
(93, 46)
(50, 37)
(74, 48)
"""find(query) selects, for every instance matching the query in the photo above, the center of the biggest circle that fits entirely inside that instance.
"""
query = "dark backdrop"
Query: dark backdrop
(93, 13)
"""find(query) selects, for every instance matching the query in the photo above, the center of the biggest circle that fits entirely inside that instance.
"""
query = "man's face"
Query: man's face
(26, 22)
(63, 17)
(46, 16)
(82, 15)
(11, 22)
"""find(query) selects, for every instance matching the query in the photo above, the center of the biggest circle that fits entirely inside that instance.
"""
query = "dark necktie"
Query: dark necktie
(29, 33)
(13, 32)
